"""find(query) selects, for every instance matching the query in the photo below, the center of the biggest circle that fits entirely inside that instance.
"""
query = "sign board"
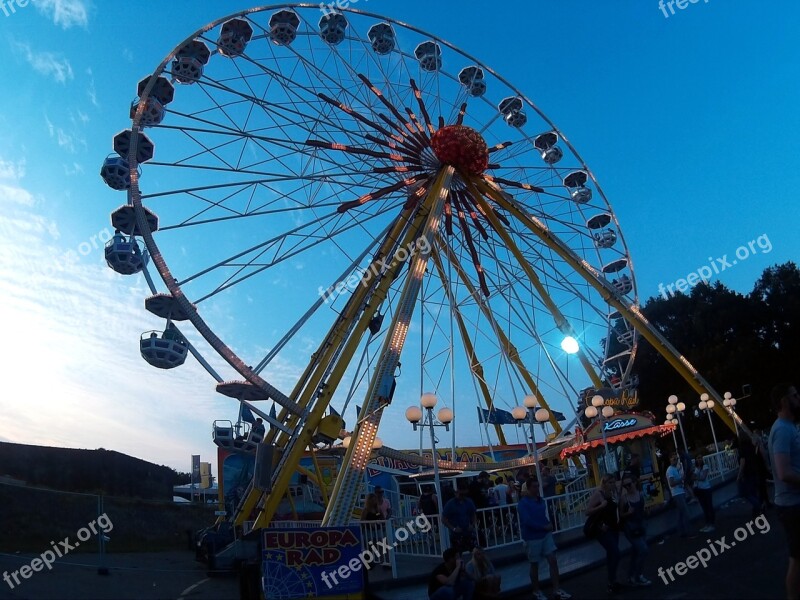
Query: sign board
(621, 399)
(320, 562)
(617, 424)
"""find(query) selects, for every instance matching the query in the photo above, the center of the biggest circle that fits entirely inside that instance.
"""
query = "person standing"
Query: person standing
(548, 483)
(702, 489)
(633, 525)
(460, 517)
(537, 534)
(677, 489)
(747, 479)
(604, 507)
(502, 491)
(383, 503)
(784, 452)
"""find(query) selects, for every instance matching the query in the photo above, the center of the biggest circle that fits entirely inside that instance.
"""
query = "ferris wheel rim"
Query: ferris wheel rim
(135, 196)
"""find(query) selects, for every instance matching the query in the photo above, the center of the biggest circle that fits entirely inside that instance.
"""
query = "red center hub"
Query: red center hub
(461, 147)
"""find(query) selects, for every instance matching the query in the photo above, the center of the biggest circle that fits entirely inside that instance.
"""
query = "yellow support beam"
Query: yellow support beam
(508, 348)
(474, 364)
(318, 366)
(562, 322)
(349, 478)
(631, 313)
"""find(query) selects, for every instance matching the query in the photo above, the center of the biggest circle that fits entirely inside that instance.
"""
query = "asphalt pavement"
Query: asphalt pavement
(750, 566)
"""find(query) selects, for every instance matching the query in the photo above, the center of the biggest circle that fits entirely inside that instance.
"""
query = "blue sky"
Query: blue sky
(688, 122)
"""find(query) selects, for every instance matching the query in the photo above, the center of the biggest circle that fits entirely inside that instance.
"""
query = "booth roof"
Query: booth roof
(659, 430)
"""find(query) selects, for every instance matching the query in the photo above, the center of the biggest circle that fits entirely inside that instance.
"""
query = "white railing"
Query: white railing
(578, 484)
(721, 465)
(418, 543)
(498, 526)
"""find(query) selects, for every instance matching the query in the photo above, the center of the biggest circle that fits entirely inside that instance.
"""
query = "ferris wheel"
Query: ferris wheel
(324, 193)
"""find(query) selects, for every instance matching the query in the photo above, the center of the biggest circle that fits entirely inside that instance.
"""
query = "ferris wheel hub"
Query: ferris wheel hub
(461, 147)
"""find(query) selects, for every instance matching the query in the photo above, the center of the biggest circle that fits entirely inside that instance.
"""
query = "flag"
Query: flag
(358, 410)
(333, 411)
(495, 417)
(272, 413)
(247, 414)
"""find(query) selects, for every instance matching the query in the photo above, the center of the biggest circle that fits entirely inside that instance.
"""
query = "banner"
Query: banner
(311, 563)
(495, 417)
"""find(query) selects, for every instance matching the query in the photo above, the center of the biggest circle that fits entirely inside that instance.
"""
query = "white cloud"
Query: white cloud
(48, 64)
(76, 363)
(70, 141)
(66, 13)
(12, 170)
(91, 91)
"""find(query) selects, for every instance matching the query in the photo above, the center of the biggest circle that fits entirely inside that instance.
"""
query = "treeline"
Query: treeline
(88, 471)
(732, 339)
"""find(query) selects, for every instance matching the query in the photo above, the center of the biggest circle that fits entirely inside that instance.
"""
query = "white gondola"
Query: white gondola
(123, 255)
(623, 285)
(605, 239)
(234, 37)
(545, 143)
(116, 172)
(382, 38)
(333, 28)
(164, 350)
(472, 79)
(187, 68)
(283, 27)
(429, 55)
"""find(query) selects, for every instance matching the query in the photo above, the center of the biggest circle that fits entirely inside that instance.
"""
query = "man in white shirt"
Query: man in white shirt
(784, 450)
(677, 488)
(501, 491)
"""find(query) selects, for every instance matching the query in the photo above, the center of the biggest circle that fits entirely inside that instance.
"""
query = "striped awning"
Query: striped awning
(658, 430)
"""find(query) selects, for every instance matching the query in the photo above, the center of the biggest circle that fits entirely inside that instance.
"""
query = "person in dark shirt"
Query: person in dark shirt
(460, 517)
(548, 483)
(449, 581)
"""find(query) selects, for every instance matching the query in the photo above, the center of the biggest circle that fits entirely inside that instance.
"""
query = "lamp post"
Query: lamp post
(676, 409)
(670, 419)
(707, 405)
(729, 402)
(534, 414)
(594, 411)
(414, 415)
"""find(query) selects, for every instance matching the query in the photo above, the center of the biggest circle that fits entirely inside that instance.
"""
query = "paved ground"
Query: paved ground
(751, 568)
(156, 576)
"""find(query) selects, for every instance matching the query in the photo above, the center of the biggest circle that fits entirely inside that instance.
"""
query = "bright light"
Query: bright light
(570, 345)
(414, 414)
(542, 415)
(608, 411)
(590, 412)
(519, 413)
(530, 401)
(598, 401)
(446, 415)
(428, 400)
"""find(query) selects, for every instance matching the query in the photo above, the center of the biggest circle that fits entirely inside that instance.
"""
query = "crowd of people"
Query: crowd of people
(616, 507)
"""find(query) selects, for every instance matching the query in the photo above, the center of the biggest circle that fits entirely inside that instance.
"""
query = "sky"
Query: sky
(687, 120)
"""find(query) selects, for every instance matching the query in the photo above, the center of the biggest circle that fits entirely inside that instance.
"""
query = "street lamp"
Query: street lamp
(729, 402)
(670, 419)
(676, 409)
(594, 411)
(414, 415)
(707, 405)
(535, 414)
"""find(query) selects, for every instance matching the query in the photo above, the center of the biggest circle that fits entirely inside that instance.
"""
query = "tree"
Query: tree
(731, 339)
